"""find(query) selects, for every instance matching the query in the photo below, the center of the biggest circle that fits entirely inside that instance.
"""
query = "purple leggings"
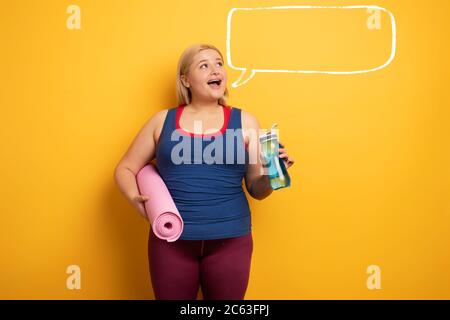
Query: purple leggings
(220, 266)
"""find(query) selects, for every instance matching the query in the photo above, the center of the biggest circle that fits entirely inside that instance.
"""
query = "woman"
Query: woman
(215, 248)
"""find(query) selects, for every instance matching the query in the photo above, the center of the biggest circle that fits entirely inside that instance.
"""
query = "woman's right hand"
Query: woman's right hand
(139, 203)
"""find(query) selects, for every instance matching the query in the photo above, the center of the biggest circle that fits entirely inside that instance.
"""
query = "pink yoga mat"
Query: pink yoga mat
(166, 221)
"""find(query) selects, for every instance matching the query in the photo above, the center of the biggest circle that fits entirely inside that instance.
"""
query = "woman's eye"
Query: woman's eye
(205, 64)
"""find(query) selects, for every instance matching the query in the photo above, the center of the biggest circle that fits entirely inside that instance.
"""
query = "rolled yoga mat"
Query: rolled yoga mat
(164, 217)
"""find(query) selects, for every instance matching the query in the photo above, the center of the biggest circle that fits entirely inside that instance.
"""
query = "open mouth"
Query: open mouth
(214, 83)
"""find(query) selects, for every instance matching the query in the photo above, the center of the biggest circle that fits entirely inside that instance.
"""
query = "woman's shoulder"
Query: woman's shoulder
(155, 123)
(249, 120)
(250, 125)
(157, 118)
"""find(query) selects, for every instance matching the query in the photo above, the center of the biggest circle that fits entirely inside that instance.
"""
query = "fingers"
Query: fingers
(142, 198)
(286, 159)
(143, 215)
(142, 211)
(289, 162)
(283, 154)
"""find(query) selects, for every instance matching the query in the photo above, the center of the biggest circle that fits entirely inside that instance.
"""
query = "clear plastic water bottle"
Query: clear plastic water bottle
(278, 175)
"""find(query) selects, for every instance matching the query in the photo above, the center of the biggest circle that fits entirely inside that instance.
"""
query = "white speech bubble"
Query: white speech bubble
(238, 82)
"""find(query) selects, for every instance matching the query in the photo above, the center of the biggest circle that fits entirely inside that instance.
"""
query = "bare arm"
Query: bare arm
(256, 178)
(140, 152)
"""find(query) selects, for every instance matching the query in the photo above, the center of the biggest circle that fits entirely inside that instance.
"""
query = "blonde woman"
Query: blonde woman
(215, 248)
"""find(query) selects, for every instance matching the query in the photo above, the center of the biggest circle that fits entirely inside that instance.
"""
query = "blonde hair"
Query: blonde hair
(184, 94)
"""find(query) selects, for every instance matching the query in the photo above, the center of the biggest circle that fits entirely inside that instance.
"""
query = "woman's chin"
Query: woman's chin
(217, 95)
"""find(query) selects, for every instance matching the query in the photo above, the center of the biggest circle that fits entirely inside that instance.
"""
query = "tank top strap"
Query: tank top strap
(169, 122)
(235, 119)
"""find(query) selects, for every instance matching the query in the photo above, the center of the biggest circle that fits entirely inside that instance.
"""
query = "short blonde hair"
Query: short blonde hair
(184, 95)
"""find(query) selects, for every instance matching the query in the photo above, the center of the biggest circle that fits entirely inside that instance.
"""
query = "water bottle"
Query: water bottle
(278, 175)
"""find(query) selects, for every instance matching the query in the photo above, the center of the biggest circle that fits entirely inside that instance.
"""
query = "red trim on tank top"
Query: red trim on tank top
(226, 116)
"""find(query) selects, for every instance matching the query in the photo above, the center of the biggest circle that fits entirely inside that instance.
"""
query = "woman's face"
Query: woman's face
(207, 76)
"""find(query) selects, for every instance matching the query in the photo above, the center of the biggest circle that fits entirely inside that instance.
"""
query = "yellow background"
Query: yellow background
(370, 185)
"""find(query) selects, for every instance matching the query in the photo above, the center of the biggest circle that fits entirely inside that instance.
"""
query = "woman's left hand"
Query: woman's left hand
(288, 161)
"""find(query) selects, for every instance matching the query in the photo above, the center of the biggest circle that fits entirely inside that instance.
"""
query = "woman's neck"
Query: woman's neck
(198, 106)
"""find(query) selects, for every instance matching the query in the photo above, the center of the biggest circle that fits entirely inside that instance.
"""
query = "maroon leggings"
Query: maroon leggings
(220, 266)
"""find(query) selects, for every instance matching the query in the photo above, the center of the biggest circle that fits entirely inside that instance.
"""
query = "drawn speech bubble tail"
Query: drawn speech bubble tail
(246, 75)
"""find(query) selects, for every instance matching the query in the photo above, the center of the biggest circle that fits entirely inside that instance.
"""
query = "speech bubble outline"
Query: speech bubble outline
(238, 82)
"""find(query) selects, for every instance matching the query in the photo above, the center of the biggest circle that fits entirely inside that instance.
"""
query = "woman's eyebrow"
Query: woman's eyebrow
(207, 60)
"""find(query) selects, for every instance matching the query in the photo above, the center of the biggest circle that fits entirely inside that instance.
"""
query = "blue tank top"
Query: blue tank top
(203, 173)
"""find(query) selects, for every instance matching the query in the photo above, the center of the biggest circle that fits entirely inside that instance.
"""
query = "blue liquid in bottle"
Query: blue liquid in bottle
(278, 175)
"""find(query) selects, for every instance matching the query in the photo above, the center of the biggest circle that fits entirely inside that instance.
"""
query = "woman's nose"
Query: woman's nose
(215, 70)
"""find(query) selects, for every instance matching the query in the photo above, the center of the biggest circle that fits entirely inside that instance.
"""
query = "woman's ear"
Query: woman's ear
(184, 81)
